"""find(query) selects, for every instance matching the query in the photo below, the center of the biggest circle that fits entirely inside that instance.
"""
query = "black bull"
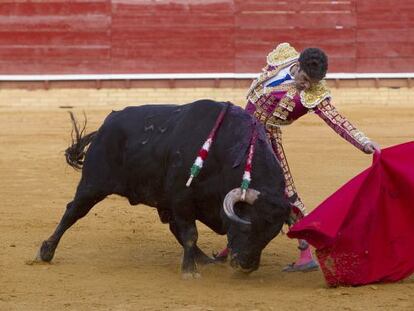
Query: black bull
(145, 154)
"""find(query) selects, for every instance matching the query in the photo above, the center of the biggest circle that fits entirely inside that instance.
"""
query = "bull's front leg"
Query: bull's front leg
(187, 232)
(200, 257)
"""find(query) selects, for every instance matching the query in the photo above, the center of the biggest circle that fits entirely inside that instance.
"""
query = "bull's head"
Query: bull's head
(255, 220)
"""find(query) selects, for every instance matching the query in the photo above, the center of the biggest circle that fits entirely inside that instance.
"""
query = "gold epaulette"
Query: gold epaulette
(283, 53)
(311, 97)
(282, 56)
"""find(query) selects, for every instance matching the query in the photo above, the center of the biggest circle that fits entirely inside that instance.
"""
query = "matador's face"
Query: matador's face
(302, 80)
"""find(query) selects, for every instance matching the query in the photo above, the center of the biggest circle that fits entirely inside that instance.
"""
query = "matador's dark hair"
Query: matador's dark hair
(314, 63)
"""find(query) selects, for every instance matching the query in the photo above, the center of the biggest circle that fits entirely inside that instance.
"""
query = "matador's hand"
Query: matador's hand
(372, 147)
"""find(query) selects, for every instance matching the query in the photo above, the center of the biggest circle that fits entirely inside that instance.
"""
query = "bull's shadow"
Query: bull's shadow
(145, 154)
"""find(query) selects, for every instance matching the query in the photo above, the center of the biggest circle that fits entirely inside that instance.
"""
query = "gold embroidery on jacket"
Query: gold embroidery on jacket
(259, 91)
(282, 54)
(278, 116)
(310, 98)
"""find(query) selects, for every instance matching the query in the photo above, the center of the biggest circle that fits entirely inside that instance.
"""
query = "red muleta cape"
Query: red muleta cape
(364, 232)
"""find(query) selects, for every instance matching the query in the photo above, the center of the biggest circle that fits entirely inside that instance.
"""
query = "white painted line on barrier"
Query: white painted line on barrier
(189, 76)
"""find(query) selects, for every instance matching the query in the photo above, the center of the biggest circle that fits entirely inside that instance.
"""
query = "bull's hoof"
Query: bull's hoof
(204, 260)
(46, 252)
(219, 258)
(190, 275)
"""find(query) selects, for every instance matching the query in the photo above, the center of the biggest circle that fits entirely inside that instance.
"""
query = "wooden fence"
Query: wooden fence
(200, 36)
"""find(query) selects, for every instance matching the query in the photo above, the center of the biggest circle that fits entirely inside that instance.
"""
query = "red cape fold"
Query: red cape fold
(364, 232)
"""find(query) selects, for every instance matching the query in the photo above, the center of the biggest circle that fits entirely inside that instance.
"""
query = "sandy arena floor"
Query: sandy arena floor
(122, 258)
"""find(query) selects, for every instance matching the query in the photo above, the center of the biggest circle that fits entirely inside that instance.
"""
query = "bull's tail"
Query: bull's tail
(75, 154)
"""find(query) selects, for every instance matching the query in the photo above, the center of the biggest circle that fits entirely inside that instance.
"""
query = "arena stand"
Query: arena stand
(202, 45)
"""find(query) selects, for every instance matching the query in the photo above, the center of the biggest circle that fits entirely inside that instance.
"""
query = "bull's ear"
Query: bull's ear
(243, 131)
(238, 152)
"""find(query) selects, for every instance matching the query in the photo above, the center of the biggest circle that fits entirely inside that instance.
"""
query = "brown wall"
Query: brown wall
(171, 36)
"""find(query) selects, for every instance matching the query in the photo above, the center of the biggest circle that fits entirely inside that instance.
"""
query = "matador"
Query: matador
(290, 86)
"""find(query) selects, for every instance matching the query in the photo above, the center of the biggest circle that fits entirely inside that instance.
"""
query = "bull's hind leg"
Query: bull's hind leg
(75, 210)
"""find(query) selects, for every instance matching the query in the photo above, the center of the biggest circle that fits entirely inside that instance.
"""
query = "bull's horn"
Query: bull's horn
(235, 196)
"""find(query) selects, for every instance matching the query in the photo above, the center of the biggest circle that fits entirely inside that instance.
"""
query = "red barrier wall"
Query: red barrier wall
(167, 36)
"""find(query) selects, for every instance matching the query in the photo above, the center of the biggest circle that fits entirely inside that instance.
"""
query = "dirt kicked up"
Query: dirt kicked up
(121, 257)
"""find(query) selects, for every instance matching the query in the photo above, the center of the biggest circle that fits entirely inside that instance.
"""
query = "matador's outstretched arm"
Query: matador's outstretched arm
(341, 125)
